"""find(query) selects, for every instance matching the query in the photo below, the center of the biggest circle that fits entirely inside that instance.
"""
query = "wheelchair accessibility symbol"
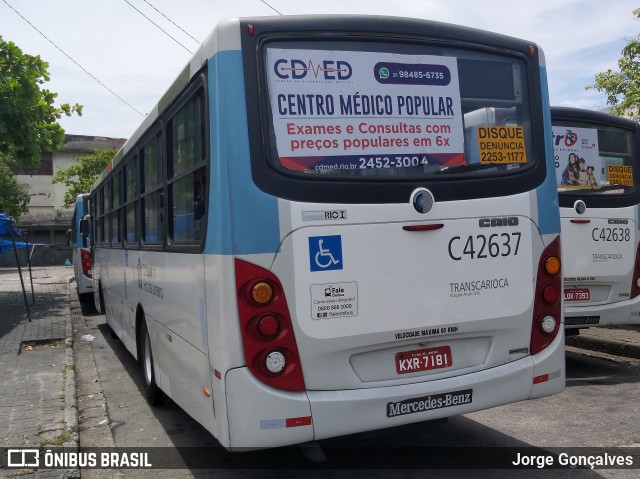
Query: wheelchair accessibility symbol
(325, 252)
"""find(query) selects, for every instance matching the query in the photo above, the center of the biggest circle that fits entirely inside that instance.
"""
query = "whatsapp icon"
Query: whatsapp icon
(383, 73)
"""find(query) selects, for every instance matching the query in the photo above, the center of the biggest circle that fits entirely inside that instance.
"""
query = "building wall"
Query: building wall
(48, 220)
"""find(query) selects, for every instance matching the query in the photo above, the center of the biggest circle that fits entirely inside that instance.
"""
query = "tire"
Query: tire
(103, 309)
(151, 389)
(85, 298)
(112, 332)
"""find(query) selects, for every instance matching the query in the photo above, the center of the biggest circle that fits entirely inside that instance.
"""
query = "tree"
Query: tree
(623, 88)
(81, 176)
(14, 200)
(28, 118)
(28, 121)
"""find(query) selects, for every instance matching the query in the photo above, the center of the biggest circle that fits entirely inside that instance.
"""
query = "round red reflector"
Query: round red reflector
(268, 326)
(88, 264)
(550, 294)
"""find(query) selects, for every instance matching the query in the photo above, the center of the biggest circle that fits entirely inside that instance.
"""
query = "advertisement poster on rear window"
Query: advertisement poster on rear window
(578, 162)
(346, 110)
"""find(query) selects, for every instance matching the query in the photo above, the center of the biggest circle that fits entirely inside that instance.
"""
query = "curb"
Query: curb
(70, 399)
(615, 348)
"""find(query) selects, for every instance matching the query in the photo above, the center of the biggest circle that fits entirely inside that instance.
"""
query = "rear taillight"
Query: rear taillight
(635, 288)
(270, 348)
(85, 259)
(548, 302)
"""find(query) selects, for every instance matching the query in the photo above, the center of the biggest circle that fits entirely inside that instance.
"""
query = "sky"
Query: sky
(137, 61)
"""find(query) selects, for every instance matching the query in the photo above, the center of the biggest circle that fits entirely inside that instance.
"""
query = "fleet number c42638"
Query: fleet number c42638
(484, 246)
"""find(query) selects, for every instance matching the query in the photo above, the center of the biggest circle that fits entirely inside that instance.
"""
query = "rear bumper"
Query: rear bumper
(611, 314)
(271, 419)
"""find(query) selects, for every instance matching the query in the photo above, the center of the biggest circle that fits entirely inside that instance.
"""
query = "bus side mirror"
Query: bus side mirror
(84, 228)
(68, 237)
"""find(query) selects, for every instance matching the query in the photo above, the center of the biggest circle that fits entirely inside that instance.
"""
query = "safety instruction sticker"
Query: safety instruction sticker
(501, 145)
(334, 300)
(620, 175)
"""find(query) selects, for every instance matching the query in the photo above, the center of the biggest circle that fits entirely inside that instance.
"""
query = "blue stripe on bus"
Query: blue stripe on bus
(80, 213)
(242, 218)
(547, 192)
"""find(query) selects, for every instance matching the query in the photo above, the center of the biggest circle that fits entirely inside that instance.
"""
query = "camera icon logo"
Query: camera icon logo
(23, 458)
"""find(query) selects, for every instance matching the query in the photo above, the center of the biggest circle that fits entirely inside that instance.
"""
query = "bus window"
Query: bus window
(419, 121)
(152, 205)
(186, 186)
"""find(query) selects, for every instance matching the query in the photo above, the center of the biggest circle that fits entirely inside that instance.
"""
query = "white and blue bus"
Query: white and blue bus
(597, 173)
(81, 250)
(334, 224)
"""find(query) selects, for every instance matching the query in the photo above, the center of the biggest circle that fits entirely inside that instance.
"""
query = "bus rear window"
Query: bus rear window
(409, 111)
(593, 160)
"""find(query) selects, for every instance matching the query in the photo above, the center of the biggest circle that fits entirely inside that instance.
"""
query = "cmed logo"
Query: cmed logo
(295, 69)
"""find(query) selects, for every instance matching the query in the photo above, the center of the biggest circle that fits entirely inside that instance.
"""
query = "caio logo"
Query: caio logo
(295, 69)
(570, 138)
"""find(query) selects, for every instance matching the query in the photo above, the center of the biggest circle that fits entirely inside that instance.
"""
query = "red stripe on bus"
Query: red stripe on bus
(298, 421)
(541, 379)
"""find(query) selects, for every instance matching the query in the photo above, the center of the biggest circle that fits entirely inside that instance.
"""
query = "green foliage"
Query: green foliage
(14, 200)
(623, 88)
(28, 117)
(28, 122)
(81, 176)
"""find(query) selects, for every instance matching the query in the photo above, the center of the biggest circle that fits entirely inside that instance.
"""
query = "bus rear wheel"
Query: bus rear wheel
(153, 392)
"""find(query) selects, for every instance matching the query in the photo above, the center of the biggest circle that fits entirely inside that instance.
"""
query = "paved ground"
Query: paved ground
(37, 385)
(619, 341)
(46, 397)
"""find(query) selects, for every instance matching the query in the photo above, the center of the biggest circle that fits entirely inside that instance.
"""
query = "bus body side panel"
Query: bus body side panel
(237, 207)
(550, 373)
(226, 354)
(599, 258)
(241, 220)
(276, 418)
(170, 290)
(550, 362)
(182, 372)
(546, 214)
